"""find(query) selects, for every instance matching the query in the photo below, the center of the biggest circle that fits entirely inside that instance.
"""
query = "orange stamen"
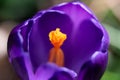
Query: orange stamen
(56, 54)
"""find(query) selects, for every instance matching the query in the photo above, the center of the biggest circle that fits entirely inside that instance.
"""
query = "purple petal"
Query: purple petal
(84, 37)
(17, 49)
(18, 40)
(94, 68)
(14, 45)
(29, 45)
(88, 34)
(53, 72)
(19, 66)
(61, 76)
(76, 10)
(84, 42)
(39, 41)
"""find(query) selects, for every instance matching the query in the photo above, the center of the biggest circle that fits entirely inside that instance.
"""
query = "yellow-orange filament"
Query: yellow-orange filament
(56, 54)
(56, 57)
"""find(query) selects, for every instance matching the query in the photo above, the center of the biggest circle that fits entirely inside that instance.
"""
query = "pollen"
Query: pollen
(57, 38)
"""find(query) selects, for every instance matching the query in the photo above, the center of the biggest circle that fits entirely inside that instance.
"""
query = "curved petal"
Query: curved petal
(61, 76)
(94, 68)
(39, 44)
(76, 10)
(18, 49)
(18, 40)
(88, 34)
(85, 35)
(84, 42)
(20, 67)
(53, 72)
(105, 38)
(14, 45)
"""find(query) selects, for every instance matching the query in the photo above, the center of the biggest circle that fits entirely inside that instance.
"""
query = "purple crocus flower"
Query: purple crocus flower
(84, 51)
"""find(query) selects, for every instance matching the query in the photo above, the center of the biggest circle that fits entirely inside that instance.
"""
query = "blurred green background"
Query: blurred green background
(13, 12)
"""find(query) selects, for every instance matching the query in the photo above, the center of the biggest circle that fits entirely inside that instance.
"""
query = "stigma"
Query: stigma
(57, 39)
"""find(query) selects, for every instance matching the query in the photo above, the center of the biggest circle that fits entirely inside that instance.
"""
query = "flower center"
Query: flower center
(56, 54)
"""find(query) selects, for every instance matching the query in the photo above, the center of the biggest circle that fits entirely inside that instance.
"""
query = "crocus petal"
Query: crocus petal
(90, 36)
(29, 45)
(76, 10)
(85, 41)
(89, 33)
(73, 46)
(94, 68)
(18, 40)
(51, 71)
(19, 66)
(39, 41)
(17, 50)
(61, 76)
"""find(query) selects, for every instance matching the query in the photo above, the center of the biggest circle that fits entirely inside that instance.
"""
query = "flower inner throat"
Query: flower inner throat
(56, 55)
